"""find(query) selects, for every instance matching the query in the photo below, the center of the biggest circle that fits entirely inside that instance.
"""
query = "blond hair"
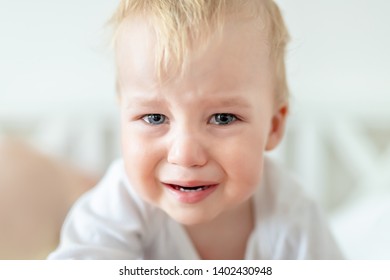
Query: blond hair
(182, 26)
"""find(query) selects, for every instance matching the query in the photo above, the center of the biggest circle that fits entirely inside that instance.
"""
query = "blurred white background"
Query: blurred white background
(339, 140)
(57, 92)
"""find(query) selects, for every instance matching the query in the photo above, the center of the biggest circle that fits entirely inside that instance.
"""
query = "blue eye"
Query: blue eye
(223, 119)
(154, 119)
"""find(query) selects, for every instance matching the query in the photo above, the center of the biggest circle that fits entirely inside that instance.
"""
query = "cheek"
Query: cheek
(246, 167)
(244, 161)
(141, 158)
(138, 148)
(133, 149)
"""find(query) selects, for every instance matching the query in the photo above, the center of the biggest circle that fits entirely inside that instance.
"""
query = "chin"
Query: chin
(189, 218)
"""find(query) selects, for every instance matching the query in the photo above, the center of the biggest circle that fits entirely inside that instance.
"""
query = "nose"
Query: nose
(187, 150)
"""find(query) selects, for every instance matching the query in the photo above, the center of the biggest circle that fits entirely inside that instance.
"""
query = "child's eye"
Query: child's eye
(223, 119)
(154, 119)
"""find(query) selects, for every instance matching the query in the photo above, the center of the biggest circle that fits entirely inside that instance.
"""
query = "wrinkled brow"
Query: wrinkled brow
(230, 102)
(143, 101)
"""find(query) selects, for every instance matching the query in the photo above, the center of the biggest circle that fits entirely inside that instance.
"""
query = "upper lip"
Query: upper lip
(190, 183)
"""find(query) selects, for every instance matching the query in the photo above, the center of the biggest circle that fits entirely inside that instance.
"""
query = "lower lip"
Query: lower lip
(190, 197)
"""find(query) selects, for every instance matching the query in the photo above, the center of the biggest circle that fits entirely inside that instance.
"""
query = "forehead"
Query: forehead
(237, 56)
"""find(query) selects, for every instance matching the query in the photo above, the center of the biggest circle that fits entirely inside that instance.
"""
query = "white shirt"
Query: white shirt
(112, 222)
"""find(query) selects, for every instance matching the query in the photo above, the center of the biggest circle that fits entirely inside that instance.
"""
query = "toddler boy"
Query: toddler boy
(203, 95)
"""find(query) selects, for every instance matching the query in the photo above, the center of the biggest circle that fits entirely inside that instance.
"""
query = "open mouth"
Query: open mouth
(191, 192)
(190, 189)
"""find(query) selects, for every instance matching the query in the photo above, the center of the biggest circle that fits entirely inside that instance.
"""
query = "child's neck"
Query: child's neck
(225, 237)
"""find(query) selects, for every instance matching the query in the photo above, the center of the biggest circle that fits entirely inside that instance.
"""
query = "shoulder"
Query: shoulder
(114, 200)
(280, 191)
(109, 221)
(289, 220)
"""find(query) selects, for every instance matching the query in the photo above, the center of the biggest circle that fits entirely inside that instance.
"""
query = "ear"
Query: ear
(278, 123)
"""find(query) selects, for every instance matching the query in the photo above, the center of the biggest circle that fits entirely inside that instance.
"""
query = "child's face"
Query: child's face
(207, 131)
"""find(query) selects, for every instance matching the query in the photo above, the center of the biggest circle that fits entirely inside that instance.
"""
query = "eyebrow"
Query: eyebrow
(220, 99)
(218, 102)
